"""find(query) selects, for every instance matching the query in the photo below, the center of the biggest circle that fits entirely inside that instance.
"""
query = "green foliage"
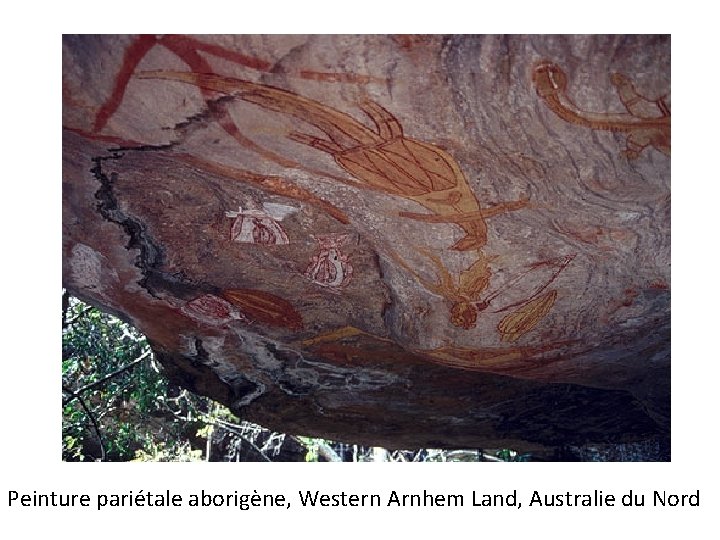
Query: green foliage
(135, 409)
(163, 451)
(118, 406)
(511, 455)
(311, 444)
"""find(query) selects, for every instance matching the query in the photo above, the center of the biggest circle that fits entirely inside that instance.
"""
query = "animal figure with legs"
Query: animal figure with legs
(467, 300)
(647, 121)
(383, 159)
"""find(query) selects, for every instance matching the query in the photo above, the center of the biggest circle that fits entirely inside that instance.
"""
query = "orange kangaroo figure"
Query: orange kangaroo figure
(647, 121)
(382, 159)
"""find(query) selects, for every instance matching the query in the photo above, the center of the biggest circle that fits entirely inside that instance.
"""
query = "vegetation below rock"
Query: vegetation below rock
(118, 406)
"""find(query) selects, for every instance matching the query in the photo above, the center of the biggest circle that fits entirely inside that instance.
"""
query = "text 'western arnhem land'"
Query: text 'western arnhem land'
(595, 499)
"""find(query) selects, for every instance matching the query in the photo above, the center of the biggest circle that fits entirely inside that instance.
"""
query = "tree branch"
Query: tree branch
(92, 419)
(65, 307)
(76, 393)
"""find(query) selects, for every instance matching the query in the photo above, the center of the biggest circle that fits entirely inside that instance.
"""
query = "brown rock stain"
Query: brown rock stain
(409, 42)
(625, 301)
(164, 325)
(338, 353)
(604, 238)
(630, 295)
(69, 98)
(120, 141)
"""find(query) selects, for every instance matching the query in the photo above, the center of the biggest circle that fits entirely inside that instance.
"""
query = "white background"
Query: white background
(31, 218)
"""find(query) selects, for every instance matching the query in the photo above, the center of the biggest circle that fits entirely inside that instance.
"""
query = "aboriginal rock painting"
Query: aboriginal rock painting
(382, 159)
(466, 295)
(271, 184)
(526, 317)
(193, 53)
(255, 226)
(211, 309)
(350, 344)
(244, 305)
(647, 121)
(264, 307)
(514, 360)
(329, 267)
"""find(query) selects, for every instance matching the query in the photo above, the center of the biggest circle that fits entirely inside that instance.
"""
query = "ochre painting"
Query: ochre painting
(382, 159)
(264, 308)
(646, 122)
(424, 240)
(476, 276)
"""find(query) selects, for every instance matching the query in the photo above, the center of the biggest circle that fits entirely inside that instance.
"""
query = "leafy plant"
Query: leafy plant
(115, 400)
(117, 406)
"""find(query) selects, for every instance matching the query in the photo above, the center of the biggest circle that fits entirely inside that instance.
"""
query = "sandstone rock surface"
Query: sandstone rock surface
(398, 240)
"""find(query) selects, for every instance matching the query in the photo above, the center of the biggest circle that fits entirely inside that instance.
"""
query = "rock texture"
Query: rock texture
(400, 240)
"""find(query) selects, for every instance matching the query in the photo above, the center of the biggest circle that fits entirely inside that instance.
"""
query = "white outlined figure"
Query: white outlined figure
(212, 309)
(330, 267)
(255, 226)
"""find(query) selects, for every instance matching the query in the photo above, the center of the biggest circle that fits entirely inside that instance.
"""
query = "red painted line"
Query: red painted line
(133, 55)
(221, 52)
